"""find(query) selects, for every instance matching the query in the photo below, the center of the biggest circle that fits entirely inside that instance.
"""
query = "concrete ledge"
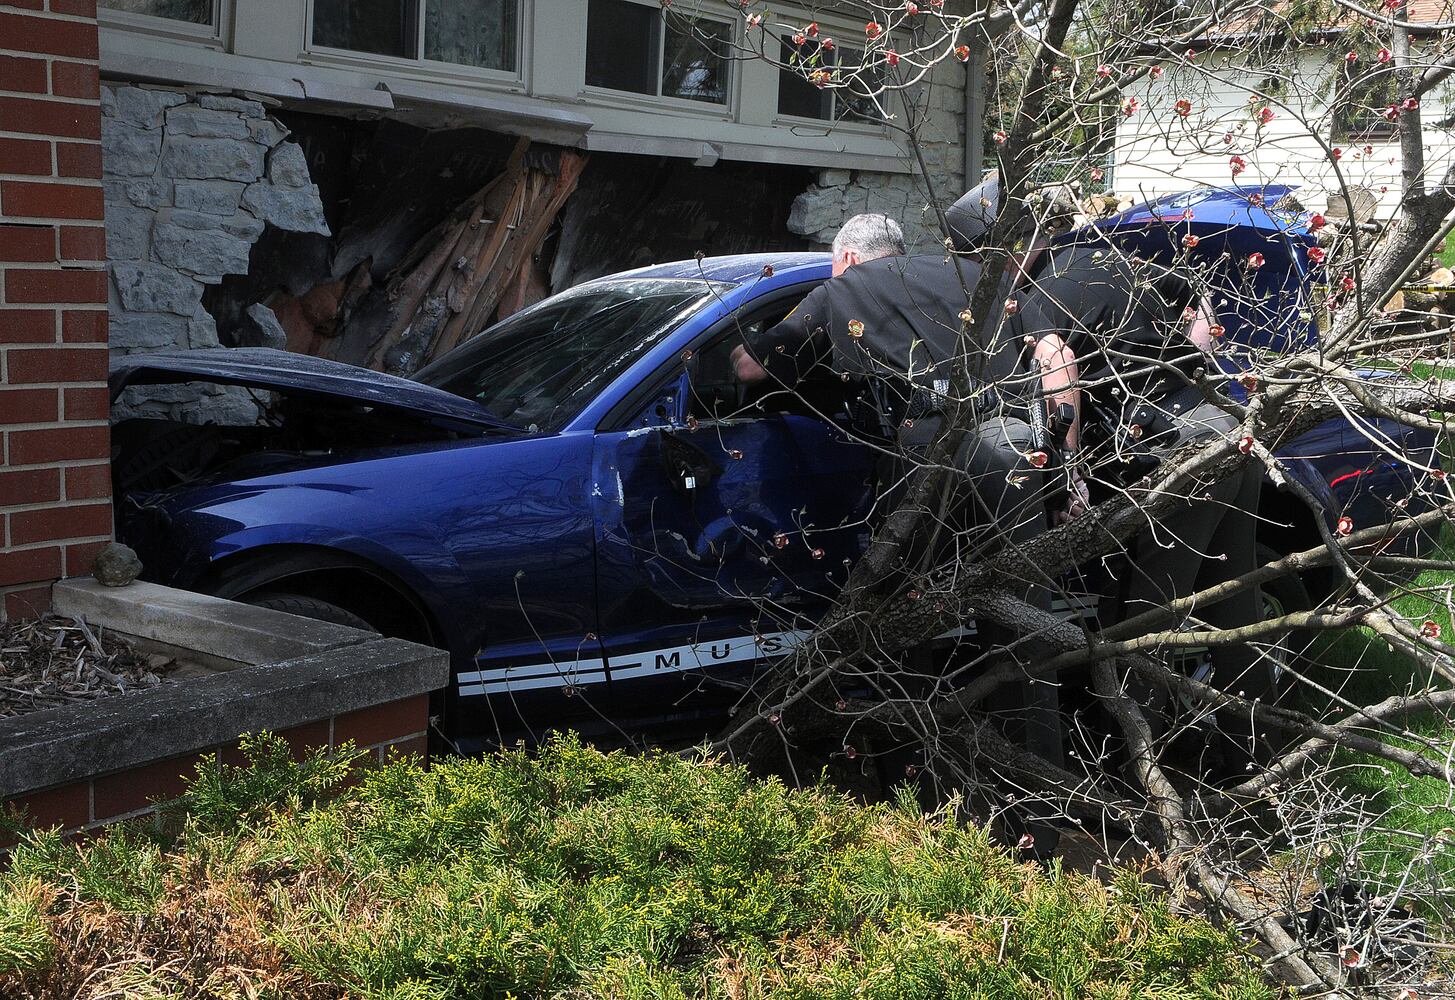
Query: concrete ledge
(227, 630)
(331, 671)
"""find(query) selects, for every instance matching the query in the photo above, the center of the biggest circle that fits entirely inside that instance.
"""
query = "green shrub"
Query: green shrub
(573, 873)
(25, 943)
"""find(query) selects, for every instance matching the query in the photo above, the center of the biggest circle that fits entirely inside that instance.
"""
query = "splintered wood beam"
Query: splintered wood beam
(510, 252)
(417, 279)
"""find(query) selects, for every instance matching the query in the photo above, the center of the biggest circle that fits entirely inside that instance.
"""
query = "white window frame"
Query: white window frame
(630, 99)
(167, 27)
(419, 65)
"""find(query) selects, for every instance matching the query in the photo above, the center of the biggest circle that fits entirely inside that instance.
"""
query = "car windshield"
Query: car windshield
(540, 367)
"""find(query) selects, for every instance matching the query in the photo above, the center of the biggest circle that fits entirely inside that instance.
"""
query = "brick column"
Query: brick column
(55, 484)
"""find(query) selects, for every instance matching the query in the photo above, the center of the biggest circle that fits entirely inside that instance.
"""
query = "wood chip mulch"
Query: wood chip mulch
(55, 661)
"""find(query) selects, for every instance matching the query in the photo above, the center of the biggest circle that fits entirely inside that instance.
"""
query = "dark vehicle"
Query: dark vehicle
(581, 504)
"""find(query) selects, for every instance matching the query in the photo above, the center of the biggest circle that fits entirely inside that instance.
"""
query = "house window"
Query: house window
(189, 11)
(482, 33)
(853, 101)
(644, 49)
(1360, 106)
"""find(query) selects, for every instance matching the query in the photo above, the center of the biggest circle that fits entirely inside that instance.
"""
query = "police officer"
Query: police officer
(891, 325)
(1144, 340)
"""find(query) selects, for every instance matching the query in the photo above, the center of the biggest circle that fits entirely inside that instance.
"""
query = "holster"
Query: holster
(1048, 435)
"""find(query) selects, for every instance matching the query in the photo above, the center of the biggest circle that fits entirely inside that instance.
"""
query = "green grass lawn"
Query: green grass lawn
(576, 874)
(1447, 255)
(1413, 828)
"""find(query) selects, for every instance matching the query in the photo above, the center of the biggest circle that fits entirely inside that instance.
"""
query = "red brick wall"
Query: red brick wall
(396, 727)
(54, 482)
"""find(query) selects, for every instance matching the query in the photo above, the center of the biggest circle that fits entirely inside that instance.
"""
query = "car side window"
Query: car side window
(714, 389)
(711, 391)
(715, 392)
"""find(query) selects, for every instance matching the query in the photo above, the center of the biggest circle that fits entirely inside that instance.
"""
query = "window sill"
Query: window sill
(824, 127)
(628, 101)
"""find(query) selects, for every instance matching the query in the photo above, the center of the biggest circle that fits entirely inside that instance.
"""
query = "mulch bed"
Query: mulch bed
(56, 661)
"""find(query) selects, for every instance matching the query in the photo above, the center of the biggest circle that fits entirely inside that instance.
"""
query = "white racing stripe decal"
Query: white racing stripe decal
(698, 655)
(531, 676)
(676, 659)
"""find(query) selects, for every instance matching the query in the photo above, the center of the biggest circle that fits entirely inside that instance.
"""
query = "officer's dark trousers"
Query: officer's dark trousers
(999, 502)
(1208, 538)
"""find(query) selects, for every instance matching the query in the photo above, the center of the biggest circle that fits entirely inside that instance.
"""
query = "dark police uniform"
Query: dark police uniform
(1126, 322)
(892, 327)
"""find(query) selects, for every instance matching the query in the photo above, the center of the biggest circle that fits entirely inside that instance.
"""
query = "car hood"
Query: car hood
(300, 375)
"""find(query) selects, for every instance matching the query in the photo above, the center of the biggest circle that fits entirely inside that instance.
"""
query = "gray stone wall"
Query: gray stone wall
(839, 194)
(191, 181)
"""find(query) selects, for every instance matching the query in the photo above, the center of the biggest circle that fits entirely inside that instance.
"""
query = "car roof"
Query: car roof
(738, 268)
(1250, 208)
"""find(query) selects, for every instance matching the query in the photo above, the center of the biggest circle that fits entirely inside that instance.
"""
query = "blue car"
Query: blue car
(581, 504)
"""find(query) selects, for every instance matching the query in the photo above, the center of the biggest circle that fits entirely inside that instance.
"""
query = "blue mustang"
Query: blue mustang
(581, 503)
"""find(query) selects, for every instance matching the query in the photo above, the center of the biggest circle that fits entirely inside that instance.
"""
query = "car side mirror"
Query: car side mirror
(688, 466)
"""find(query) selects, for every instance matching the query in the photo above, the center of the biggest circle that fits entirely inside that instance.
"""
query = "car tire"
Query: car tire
(1282, 596)
(1271, 681)
(308, 607)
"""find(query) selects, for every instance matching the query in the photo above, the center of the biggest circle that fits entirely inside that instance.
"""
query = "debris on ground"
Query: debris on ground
(56, 660)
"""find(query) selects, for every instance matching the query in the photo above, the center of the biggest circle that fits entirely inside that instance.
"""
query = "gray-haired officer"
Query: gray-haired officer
(1143, 337)
(892, 325)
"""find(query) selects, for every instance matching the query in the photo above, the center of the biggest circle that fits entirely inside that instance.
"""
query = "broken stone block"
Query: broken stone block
(139, 106)
(202, 330)
(129, 151)
(237, 105)
(128, 232)
(296, 210)
(816, 210)
(856, 200)
(833, 178)
(288, 166)
(244, 225)
(231, 405)
(267, 132)
(208, 197)
(190, 119)
(212, 159)
(262, 329)
(146, 331)
(153, 288)
(207, 254)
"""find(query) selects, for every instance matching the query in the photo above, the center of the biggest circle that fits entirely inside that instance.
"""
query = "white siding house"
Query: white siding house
(1158, 151)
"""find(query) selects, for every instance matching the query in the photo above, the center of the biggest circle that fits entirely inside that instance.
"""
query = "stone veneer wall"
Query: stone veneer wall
(840, 194)
(191, 180)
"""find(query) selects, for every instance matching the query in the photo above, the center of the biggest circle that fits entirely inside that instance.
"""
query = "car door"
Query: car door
(724, 524)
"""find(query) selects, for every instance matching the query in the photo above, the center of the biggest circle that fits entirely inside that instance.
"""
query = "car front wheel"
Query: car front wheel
(308, 607)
